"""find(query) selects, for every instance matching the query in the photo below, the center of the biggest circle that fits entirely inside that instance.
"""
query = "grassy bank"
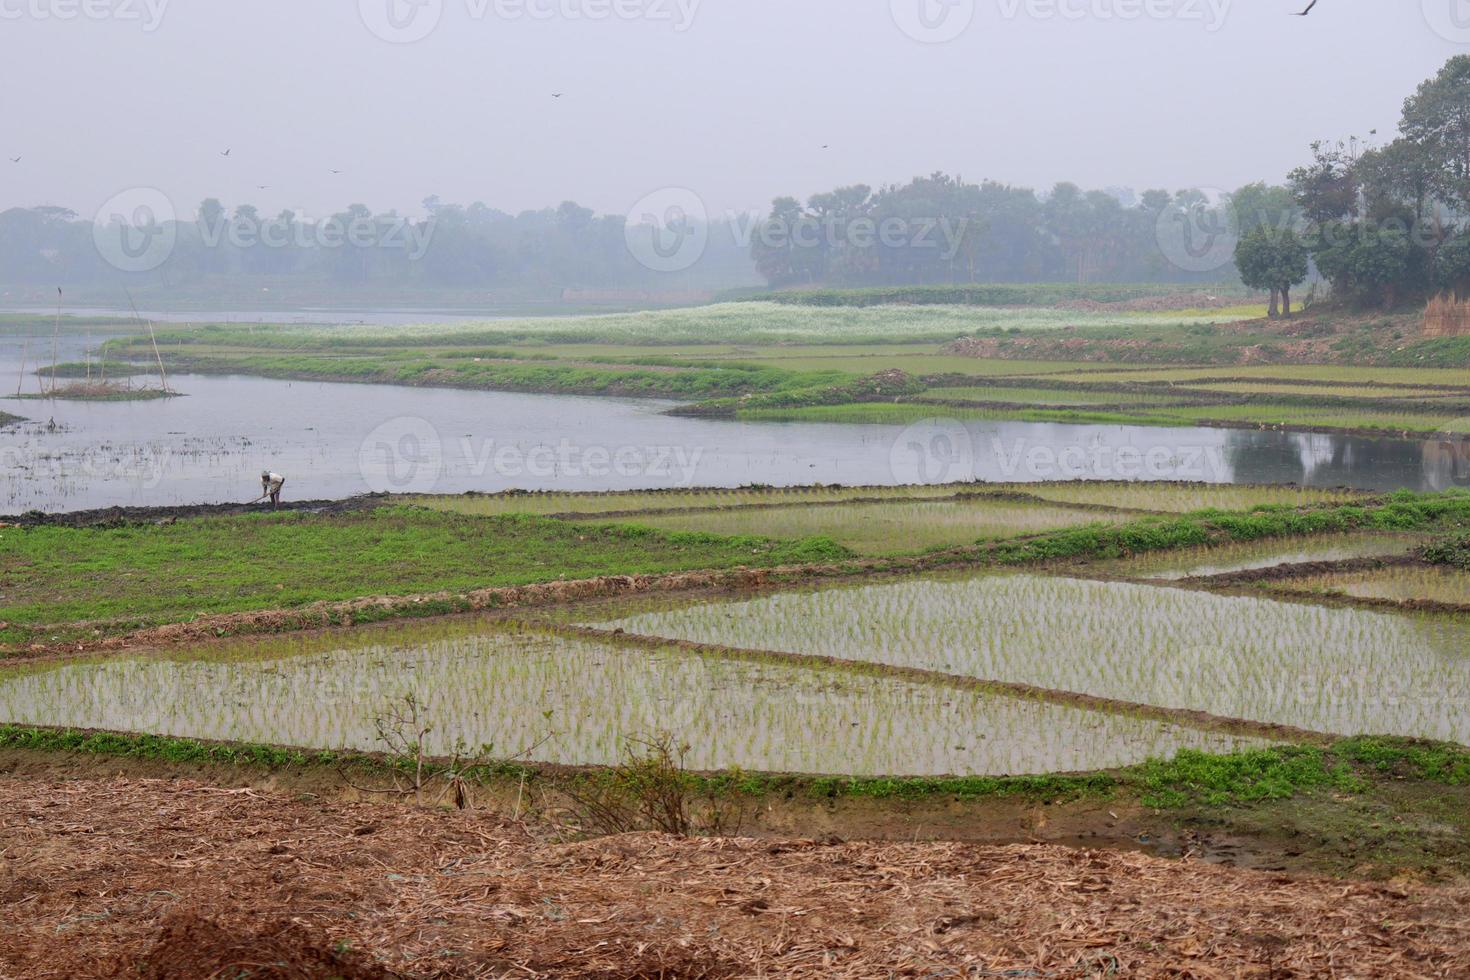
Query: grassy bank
(993, 294)
(132, 576)
(1403, 511)
(1189, 779)
(871, 357)
(1361, 807)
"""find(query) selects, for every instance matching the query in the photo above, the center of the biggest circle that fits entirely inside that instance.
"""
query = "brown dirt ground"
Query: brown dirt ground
(149, 878)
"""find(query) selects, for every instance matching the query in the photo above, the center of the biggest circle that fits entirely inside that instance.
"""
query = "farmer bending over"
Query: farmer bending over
(270, 486)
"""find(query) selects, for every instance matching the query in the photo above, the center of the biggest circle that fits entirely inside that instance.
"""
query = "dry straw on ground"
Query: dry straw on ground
(176, 879)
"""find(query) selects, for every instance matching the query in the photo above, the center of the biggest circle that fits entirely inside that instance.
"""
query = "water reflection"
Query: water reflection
(337, 440)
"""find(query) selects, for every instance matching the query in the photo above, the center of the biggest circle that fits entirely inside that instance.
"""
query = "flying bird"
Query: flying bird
(15, 159)
(262, 187)
(557, 95)
(227, 152)
(1304, 13)
(336, 171)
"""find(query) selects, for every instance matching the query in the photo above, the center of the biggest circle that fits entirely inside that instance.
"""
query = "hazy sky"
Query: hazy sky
(733, 99)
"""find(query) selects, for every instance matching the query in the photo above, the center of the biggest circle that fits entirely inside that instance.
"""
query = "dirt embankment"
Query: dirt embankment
(114, 516)
(1308, 338)
(173, 879)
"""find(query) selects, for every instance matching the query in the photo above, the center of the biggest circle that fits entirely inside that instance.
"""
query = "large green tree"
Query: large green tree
(1274, 260)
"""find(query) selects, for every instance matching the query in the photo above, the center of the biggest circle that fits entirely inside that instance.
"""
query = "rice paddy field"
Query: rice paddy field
(1222, 559)
(1337, 671)
(1407, 583)
(577, 702)
(900, 527)
(1152, 496)
(940, 660)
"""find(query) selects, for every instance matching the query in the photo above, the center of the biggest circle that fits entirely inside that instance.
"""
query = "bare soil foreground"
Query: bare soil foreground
(174, 879)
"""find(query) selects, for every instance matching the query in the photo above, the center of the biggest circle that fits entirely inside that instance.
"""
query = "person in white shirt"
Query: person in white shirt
(270, 486)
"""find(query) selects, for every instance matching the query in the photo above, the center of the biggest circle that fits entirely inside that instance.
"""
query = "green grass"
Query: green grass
(1190, 779)
(889, 413)
(143, 574)
(1404, 511)
(900, 527)
(789, 359)
(1454, 552)
(990, 294)
(723, 323)
(1045, 396)
(1158, 496)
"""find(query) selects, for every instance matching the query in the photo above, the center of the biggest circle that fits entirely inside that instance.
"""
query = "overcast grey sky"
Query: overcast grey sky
(731, 98)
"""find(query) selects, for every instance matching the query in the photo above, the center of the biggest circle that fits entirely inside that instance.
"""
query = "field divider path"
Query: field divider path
(999, 496)
(1286, 572)
(1201, 720)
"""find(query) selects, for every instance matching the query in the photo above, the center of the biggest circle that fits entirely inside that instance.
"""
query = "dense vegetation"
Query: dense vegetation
(1384, 224)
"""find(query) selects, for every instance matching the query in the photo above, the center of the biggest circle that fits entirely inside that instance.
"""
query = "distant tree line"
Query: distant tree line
(451, 246)
(941, 230)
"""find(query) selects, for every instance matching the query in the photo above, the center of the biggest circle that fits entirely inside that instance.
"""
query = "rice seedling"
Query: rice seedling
(1434, 583)
(658, 500)
(723, 323)
(1180, 498)
(506, 688)
(888, 528)
(1154, 496)
(1341, 671)
(1285, 387)
(1044, 396)
(1341, 373)
(1242, 556)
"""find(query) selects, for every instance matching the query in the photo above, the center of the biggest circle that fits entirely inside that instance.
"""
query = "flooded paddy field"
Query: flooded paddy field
(1339, 671)
(888, 528)
(1403, 583)
(1152, 496)
(577, 702)
(1243, 556)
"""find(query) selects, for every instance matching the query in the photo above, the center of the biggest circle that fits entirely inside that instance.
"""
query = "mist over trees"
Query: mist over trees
(450, 247)
(940, 229)
(935, 229)
(1384, 224)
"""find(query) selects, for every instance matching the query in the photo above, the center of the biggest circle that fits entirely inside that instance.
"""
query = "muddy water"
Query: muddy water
(513, 690)
(337, 440)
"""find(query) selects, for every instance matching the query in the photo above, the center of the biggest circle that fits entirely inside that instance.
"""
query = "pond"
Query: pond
(334, 440)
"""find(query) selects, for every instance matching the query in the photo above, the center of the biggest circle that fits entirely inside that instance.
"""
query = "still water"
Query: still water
(334, 440)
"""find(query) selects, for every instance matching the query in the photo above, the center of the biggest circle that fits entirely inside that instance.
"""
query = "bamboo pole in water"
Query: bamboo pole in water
(25, 352)
(162, 378)
(56, 342)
